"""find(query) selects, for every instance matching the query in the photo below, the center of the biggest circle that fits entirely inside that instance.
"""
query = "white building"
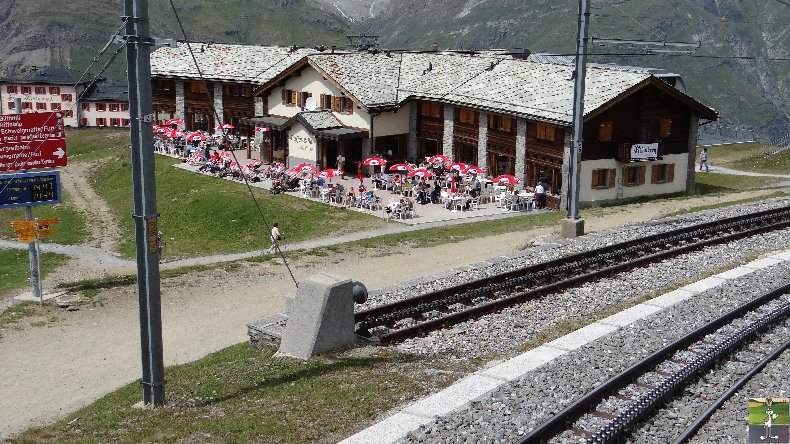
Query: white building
(58, 89)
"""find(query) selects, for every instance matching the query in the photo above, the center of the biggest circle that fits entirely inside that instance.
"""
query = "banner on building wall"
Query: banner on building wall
(644, 151)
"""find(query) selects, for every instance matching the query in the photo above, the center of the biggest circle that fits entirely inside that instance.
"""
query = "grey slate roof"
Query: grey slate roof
(224, 62)
(107, 92)
(49, 76)
(320, 120)
(487, 81)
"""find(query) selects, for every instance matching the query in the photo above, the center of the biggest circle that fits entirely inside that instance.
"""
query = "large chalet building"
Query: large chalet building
(506, 113)
(84, 104)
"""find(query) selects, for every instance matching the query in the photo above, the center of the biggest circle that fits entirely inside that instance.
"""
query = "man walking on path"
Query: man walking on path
(703, 159)
(275, 236)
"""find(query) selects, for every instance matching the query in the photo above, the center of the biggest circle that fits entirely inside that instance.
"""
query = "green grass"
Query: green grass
(712, 183)
(15, 269)
(241, 394)
(749, 157)
(202, 215)
(88, 144)
(757, 413)
(71, 229)
(774, 164)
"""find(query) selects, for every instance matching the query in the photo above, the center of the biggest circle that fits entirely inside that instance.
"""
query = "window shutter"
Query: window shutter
(642, 173)
(671, 172)
(321, 101)
(507, 124)
(612, 176)
(350, 104)
(295, 98)
(282, 96)
(654, 172)
(336, 104)
(594, 183)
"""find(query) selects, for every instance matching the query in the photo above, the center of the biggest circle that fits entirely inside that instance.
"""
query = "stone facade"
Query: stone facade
(482, 141)
(219, 112)
(180, 103)
(521, 149)
(447, 138)
(411, 149)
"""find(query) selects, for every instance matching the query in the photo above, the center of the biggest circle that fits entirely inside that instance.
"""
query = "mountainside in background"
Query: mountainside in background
(737, 70)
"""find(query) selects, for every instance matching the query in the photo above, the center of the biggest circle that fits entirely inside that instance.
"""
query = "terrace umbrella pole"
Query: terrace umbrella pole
(145, 215)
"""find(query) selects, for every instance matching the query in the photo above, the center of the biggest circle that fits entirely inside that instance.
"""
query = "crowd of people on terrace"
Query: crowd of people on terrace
(435, 181)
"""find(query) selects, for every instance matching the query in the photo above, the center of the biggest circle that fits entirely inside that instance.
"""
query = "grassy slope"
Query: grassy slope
(244, 395)
(202, 215)
(15, 268)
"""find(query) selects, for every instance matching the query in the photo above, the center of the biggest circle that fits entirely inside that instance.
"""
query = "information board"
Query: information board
(29, 141)
(28, 189)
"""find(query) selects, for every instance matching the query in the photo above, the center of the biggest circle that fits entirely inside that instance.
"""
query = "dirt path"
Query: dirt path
(69, 359)
(103, 231)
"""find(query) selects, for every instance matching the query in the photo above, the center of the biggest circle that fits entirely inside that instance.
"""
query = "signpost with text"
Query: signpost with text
(31, 141)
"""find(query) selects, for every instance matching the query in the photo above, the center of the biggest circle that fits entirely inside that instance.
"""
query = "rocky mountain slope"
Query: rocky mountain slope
(741, 68)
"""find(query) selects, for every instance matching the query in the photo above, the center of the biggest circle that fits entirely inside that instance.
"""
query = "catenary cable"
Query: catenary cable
(225, 139)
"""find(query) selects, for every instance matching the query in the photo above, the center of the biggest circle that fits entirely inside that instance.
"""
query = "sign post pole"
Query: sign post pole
(35, 264)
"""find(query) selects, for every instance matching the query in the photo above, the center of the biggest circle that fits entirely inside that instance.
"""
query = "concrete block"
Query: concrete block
(321, 317)
(571, 228)
(582, 336)
(389, 430)
(515, 368)
(630, 315)
(735, 273)
(704, 285)
(454, 397)
(761, 264)
(671, 298)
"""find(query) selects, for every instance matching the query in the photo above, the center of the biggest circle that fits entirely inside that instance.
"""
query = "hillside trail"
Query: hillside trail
(103, 231)
(54, 364)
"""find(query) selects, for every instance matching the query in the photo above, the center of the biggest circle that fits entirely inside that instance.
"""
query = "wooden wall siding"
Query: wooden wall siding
(626, 118)
(189, 95)
(241, 106)
(163, 89)
(501, 142)
(466, 134)
(430, 128)
(553, 147)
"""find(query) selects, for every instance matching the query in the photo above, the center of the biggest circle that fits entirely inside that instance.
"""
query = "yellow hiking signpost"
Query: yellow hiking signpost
(31, 230)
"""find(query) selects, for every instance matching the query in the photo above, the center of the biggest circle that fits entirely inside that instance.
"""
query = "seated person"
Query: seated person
(350, 198)
(436, 192)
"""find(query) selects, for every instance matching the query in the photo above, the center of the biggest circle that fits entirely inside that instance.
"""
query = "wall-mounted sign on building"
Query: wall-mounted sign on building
(644, 151)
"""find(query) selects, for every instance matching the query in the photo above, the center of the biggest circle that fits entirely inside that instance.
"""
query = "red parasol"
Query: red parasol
(506, 178)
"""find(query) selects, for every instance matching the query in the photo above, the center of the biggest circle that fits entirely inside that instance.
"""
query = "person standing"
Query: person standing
(703, 159)
(540, 195)
(275, 236)
(341, 161)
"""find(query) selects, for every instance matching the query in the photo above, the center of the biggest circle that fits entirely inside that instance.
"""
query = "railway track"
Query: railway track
(431, 311)
(609, 412)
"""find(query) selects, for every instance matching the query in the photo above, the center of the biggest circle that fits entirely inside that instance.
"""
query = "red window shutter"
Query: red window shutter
(594, 183)
(612, 177)
(671, 172)
(642, 173)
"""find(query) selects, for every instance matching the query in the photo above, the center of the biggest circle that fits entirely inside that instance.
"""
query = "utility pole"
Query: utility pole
(138, 62)
(573, 225)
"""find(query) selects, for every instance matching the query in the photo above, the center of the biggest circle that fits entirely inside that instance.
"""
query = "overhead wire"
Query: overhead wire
(226, 140)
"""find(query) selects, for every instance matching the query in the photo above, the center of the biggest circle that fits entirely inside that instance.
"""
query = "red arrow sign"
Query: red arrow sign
(34, 140)
(31, 155)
